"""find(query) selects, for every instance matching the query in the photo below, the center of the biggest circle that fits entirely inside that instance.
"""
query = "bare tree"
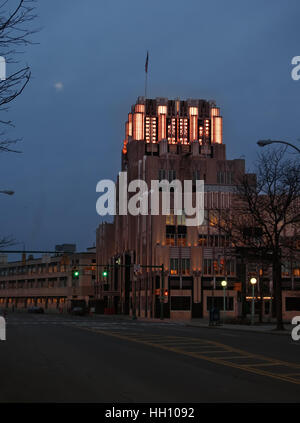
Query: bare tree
(265, 216)
(15, 33)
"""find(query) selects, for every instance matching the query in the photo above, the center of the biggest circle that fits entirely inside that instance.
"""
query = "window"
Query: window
(285, 269)
(181, 219)
(63, 282)
(171, 175)
(176, 231)
(185, 266)
(30, 283)
(230, 267)
(174, 266)
(161, 174)
(20, 284)
(51, 282)
(181, 230)
(207, 267)
(296, 271)
(220, 178)
(170, 219)
(217, 267)
(225, 178)
(170, 234)
(175, 235)
(202, 240)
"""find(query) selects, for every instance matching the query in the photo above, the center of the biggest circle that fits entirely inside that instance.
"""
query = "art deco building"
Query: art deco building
(173, 140)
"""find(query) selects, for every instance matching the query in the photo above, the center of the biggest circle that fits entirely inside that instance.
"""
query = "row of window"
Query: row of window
(219, 267)
(290, 269)
(31, 301)
(225, 178)
(32, 283)
(180, 266)
(32, 269)
(39, 268)
(172, 219)
(217, 241)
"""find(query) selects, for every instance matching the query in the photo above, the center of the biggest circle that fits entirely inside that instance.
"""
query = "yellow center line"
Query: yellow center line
(267, 363)
(231, 357)
(250, 368)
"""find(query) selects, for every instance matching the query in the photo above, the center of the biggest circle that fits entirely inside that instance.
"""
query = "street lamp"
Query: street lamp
(263, 143)
(224, 285)
(253, 283)
(7, 192)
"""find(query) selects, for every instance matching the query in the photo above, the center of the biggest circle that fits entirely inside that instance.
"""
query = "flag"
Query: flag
(146, 64)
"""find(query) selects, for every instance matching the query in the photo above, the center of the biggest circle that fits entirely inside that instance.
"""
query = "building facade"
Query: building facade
(48, 281)
(174, 140)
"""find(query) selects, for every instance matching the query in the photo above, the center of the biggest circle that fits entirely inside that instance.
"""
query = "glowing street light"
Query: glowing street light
(253, 282)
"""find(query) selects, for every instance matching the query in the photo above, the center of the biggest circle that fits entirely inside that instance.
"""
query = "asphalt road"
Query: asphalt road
(56, 358)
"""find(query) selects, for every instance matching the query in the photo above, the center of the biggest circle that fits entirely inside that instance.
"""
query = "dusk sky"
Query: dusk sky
(87, 71)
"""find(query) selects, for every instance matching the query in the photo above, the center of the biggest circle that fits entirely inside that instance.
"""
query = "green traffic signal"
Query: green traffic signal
(105, 273)
(75, 274)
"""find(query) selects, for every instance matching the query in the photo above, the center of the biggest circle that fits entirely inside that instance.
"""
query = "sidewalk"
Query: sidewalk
(269, 328)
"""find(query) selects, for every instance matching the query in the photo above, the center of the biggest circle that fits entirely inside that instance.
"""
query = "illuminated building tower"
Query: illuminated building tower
(178, 122)
(183, 140)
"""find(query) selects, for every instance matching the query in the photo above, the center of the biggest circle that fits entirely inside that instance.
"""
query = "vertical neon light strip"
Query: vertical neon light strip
(130, 124)
(162, 121)
(218, 129)
(193, 111)
(214, 111)
(138, 126)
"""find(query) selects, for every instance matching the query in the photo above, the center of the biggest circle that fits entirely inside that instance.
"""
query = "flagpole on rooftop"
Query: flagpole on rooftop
(146, 73)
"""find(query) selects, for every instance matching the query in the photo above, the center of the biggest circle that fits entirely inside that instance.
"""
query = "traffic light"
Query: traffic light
(105, 273)
(166, 293)
(75, 273)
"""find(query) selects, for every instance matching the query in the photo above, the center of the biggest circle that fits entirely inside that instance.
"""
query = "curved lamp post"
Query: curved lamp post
(263, 143)
(253, 283)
